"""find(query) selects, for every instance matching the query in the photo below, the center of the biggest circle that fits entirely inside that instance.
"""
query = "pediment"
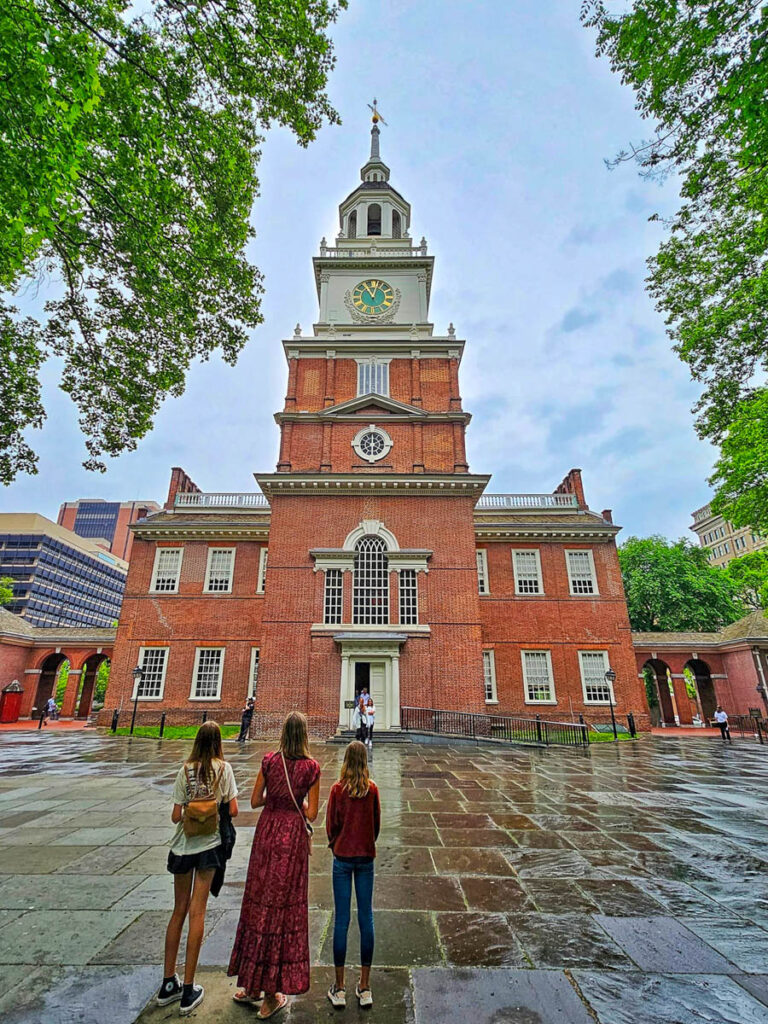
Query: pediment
(370, 405)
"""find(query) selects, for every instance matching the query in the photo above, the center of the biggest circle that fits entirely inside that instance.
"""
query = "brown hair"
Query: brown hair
(293, 739)
(206, 749)
(354, 772)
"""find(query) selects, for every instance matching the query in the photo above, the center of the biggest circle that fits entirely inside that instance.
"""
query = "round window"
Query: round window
(371, 445)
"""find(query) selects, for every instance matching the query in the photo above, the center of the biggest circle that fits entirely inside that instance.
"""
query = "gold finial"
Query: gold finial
(376, 115)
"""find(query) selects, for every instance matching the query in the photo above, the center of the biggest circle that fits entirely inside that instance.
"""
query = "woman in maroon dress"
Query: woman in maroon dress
(271, 951)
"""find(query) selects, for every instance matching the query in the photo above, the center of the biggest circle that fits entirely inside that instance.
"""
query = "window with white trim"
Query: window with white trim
(254, 676)
(597, 689)
(262, 578)
(218, 574)
(409, 598)
(527, 567)
(370, 592)
(154, 662)
(206, 679)
(334, 595)
(482, 571)
(373, 376)
(581, 572)
(537, 677)
(166, 571)
(489, 677)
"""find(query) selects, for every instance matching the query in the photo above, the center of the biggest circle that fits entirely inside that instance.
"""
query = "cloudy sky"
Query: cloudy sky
(500, 118)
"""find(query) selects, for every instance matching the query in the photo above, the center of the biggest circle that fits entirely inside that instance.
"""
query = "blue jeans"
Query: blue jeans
(343, 873)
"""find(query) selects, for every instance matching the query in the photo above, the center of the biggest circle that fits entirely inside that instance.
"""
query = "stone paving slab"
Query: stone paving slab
(52, 937)
(660, 944)
(496, 996)
(87, 995)
(54, 892)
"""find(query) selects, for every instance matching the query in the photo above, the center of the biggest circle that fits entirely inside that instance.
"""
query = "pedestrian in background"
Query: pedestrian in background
(245, 720)
(722, 720)
(271, 952)
(370, 713)
(360, 721)
(352, 824)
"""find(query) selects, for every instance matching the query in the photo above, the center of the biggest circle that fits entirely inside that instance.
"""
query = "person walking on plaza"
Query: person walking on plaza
(271, 951)
(245, 720)
(203, 782)
(352, 824)
(370, 713)
(721, 718)
(360, 720)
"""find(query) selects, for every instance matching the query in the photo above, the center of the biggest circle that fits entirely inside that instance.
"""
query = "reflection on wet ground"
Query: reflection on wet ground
(623, 884)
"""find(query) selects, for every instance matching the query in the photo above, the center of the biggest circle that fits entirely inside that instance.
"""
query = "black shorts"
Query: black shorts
(180, 864)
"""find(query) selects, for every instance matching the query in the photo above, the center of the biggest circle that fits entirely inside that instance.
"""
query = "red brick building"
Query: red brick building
(105, 522)
(372, 556)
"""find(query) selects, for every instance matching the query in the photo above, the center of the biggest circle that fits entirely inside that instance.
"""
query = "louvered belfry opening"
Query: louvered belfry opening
(370, 597)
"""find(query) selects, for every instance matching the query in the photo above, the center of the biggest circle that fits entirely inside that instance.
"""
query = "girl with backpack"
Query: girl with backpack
(203, 782)
(271, 952)
(352, 823)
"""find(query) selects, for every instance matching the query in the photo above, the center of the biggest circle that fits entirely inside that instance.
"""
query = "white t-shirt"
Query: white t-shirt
(225, 790)
(371, 714)
(721, 716)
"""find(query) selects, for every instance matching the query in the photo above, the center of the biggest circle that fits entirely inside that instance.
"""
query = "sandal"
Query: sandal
(282, 1002)
(247, 1000)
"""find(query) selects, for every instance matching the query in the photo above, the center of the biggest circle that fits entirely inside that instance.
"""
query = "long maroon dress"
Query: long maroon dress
(271, 951)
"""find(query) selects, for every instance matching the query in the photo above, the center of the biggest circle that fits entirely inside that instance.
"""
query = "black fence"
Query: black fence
(494, 727)
(748, 727)
(156, 718)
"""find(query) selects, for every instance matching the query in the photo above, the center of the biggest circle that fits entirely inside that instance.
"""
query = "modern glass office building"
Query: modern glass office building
(59, 578)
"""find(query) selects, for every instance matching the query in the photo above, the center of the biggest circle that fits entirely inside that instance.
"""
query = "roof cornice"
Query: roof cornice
(545, 531)
(439, 485)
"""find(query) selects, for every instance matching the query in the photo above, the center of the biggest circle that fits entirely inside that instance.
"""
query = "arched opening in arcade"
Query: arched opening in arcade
(659, 673)
(698, 672)
(89, 682)
(46, 686)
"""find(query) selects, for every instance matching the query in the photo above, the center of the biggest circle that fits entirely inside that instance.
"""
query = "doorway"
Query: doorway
(372, 675)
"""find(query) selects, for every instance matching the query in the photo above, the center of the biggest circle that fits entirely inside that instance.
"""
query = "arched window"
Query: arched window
(370, 594)
(374, 219)
(352, 225)
(397, 230)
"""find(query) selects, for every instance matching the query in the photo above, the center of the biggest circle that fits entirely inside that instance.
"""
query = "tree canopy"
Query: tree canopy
(671, 587)
(700, 73)
(6, 590)
(749, 574)
(128, 153)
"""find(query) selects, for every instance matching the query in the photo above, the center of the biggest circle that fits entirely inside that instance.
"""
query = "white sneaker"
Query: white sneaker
(338, 997)
(364, 996)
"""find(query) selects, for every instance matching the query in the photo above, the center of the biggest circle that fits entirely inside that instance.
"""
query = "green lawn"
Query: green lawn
(606, 737)
(175, 732)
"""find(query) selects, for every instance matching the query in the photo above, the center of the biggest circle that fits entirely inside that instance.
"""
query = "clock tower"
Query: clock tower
(371, 542)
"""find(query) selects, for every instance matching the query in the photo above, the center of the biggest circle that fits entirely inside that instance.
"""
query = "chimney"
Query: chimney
(572, 484)
(180, 484)
(607, 515)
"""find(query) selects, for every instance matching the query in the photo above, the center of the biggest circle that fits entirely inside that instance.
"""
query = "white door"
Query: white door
(378, 680)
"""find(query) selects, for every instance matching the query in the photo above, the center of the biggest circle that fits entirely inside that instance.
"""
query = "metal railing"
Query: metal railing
(222, 499)
(494, 727)
(329, 251)
(528, 501)
(748, 727)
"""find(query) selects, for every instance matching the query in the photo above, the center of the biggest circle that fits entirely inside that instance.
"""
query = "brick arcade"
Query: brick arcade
(373, 556)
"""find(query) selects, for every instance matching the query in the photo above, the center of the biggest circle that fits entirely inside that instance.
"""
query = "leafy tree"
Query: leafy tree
(102, 681)
(128, 153)
(671, 587)
(6, 590)
(700, 72)
(749, 574)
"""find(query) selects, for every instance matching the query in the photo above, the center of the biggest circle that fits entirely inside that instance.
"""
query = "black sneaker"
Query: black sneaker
(170, 991)
(190, 1000)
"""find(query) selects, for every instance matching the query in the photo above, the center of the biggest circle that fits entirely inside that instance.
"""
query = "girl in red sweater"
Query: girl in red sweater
(352, 823)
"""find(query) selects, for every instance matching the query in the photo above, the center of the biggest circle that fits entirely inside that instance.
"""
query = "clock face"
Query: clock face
(373, 297)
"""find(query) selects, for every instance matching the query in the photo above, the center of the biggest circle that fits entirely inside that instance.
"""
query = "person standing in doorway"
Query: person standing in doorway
(245, 720)
(352, 824)
(365, 696)
(360, 720)
(721, 718)
(370, 712)
(271, 951)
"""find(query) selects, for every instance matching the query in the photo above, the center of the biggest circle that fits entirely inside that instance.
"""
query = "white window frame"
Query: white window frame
(605, 683)
(159, 552)
(581, 551)
(526, 694)
(253, 675)
(540, 579)
(142, 654)
(209, 565)
(198, 652)
(333, 597)
(483, 583)
(261, 580)
(489, 676)
(375, 371)
(408, 602)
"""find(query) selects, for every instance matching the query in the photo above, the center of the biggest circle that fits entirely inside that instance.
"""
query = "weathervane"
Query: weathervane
(376, 115)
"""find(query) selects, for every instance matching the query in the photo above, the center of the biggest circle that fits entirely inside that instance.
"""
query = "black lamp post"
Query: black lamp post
(610, 678)
(138, 675)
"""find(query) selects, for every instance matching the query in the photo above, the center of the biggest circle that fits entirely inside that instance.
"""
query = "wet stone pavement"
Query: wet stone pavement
(623, 884)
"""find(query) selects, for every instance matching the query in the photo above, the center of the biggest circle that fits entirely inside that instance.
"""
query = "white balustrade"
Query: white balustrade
(197, 499)
(528, 501)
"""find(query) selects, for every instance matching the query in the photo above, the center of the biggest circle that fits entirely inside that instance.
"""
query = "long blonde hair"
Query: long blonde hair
(294, 741)
(205, 750)
(354, 772)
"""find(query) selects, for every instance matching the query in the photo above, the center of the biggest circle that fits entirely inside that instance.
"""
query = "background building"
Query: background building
(725, 542)
(59, 578)
(105, 521)
(372, 556)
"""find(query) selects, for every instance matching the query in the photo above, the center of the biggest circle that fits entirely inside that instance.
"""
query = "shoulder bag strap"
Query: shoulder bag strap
(307, 826)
